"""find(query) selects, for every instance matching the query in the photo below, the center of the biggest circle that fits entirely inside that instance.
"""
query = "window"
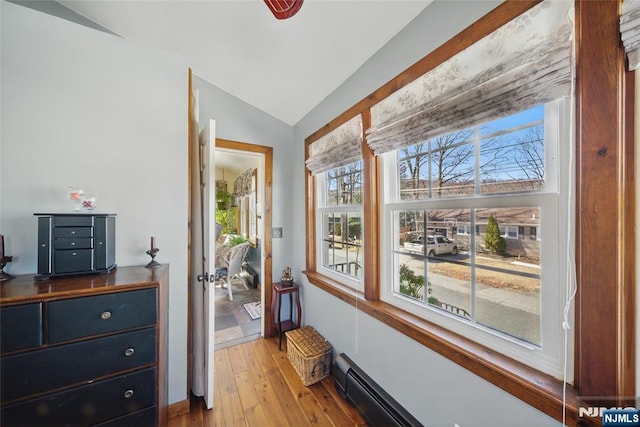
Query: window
(602, 131)
(509, 232)
(456, 207)
(339, 192)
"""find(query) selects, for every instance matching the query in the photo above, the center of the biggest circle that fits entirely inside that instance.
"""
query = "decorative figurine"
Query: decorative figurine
(4, 260)
(287, 278)
(152, 253)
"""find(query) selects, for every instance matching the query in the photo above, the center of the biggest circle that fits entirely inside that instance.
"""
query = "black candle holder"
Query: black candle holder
(152, 253)
(4, 276)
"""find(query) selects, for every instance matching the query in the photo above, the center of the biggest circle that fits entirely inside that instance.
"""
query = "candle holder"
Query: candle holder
(152, 253)
(3, 262)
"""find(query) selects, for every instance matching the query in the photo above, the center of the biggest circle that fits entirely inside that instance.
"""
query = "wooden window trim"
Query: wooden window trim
(605, 341)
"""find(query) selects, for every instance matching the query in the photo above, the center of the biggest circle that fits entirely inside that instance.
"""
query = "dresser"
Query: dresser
(75, 243)
(85, 350)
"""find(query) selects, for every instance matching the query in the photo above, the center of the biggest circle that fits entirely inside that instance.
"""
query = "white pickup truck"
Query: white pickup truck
(436, 245)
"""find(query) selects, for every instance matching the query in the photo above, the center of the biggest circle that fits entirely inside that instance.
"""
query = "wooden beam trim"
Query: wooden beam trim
(605, 205)
(371, 218)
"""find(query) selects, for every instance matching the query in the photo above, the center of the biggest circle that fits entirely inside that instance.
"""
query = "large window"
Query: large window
(456, 210)
(340, 193)
(445, 166)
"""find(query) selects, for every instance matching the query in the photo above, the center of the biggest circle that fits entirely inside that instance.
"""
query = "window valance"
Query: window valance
(526, 62)
(630, 31)
(341, 146)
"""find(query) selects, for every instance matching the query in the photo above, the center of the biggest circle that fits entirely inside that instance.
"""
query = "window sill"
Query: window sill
(527, 384)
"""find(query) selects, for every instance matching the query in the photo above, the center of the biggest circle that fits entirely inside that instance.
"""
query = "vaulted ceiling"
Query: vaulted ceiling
(283, 67)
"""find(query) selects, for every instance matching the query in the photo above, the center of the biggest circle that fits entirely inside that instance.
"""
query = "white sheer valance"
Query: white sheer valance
(341, 146)
(630, 31)
(526, 62)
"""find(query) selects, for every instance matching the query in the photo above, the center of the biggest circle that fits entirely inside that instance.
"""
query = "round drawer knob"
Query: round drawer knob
(73, 232)
(73, 243)
(129, 352)
(106, 315)
(44, 245)
(128, 394)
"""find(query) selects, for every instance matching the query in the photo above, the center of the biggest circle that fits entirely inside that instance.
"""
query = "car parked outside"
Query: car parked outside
(436, 245)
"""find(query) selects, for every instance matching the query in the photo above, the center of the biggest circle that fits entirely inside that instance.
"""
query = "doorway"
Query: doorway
(263, 217)
(239, 200)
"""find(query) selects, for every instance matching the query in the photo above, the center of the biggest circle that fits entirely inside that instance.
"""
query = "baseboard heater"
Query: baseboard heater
(375, 404)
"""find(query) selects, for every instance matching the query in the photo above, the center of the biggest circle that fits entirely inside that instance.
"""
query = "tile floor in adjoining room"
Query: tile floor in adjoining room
(233, 325)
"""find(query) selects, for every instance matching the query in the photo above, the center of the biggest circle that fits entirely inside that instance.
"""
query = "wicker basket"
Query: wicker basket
(309, 353)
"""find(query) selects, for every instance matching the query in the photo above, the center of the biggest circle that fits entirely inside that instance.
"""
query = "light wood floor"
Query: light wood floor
(256, 385)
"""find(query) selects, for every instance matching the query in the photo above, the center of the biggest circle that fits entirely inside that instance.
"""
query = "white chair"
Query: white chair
(232, 262)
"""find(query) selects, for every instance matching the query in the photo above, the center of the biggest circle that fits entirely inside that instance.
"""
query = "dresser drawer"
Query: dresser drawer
(144, 418)
(86, 404)
(70, 261)
(72, 221)
(73, 232)
(73, 243)
(20, 327)
(66, 365)
(82, 317)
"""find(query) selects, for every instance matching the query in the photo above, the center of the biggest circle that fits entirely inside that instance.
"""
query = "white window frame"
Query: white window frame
(507, 229)
(549, 357)
(463, 229)
(322, 207)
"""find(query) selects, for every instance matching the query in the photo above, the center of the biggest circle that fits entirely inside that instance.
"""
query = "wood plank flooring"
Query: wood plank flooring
(256, 385)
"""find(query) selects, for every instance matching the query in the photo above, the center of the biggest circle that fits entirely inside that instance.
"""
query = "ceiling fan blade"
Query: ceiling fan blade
(283, 9)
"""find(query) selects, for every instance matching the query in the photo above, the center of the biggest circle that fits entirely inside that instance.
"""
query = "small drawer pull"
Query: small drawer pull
(74, 253)
(128, 394)
(44, 245)
(73, 232)
(99, 243)
(73, 243)
(106, 315)
(129, 352)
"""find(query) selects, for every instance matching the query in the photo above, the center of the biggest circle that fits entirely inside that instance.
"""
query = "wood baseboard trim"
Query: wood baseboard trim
(179, 409)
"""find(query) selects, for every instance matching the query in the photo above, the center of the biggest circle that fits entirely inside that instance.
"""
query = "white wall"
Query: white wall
(238, 121)
(435, 390)
(85, 108)
(81, 107)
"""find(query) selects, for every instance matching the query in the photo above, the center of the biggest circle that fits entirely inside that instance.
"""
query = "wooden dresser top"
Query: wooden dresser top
(25, 288)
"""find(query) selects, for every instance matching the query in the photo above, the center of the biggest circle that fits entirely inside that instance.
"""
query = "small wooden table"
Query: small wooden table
(276, 297)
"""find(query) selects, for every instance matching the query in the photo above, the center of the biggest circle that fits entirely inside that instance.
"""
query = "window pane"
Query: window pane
(342, 244)
(502, 303)
(453, 164)
(411, 280)
(507, 272)
(413, 167)
(344, 185)
(446, 285)
(512, 153)
(449, 266)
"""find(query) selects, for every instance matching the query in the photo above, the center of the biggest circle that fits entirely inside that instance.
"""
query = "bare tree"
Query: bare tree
(451, 154)
(411, 165)
(452, 158)
(528, 155)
